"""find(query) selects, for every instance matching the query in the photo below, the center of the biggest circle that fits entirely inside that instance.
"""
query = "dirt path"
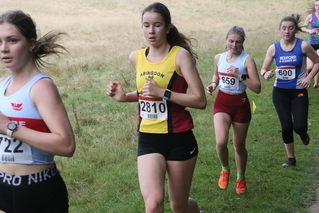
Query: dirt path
(314, 208)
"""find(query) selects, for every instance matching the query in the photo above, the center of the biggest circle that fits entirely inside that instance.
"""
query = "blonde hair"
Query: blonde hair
(311, 8)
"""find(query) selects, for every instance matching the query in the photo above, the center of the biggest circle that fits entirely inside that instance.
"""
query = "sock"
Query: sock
(292, 159)
(240, 176)
(226, 168)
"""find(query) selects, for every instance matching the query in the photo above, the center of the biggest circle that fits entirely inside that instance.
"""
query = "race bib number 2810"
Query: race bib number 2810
(152, 108)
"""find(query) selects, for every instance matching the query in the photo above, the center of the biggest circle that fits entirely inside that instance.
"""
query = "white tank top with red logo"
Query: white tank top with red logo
(19, 108)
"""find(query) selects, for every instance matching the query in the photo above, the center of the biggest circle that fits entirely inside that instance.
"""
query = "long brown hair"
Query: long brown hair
(174, 37)
(294, 18)
(45, 45)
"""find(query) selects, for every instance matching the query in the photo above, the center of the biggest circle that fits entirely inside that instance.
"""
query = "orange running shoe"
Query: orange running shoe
(241, 186)
(223, 179)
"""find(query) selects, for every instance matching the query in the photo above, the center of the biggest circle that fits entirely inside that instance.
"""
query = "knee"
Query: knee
(221, 143)
(300, 130)
(287, 135)
(154, 206)
(240, 150)
(178, 207)
(287, 129)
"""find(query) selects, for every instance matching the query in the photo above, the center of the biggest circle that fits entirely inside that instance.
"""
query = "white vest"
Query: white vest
(19, 108)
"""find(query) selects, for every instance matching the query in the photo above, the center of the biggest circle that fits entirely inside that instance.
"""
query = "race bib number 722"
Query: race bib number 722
(14, 151)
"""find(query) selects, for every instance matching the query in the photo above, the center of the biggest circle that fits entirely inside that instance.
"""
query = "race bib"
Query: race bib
(317, 32)
(286, 73)
(14, 151)
(228, 82)
(152, 108)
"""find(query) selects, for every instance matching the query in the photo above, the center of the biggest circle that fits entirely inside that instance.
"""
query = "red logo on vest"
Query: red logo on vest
(16, 107)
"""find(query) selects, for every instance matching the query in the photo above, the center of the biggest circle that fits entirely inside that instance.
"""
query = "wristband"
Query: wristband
(167, 95)
(264, 73)
(242, 78)
(11, 127)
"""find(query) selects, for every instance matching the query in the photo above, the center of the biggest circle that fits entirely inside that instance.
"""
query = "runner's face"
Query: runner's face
(288, 30)
(154, 28)
(234, 43)
(14, 48)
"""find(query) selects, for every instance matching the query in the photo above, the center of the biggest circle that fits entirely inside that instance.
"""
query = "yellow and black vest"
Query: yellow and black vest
(155, 115)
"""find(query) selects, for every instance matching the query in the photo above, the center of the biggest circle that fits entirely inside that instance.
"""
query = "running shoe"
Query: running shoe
(315, 87)
(241, 186)
(305, 140)
(223, 179)
(290, 162)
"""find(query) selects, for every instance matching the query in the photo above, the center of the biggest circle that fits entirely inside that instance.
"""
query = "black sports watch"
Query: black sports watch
(242, 78)
(167, 95)
(12, 127)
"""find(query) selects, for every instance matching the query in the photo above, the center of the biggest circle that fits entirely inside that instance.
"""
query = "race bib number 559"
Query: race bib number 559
(14, 151)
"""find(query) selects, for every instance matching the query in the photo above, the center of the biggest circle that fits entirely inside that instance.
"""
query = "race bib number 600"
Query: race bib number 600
(152, 108)
(286, 73)
(14, 151)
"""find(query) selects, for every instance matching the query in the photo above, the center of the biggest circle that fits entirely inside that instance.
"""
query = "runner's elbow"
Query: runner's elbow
(202, 104)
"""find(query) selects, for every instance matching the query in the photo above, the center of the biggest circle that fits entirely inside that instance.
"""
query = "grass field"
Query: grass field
(102, 176)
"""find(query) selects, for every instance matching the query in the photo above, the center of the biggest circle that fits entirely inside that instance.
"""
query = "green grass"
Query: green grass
(271, 188)
(102, 177)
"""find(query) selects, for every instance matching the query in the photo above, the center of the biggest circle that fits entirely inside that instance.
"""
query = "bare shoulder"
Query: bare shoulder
(45, 87)
(272, 46)
(250, 59)
(250, 64)
(183, 51)
(45, 82)
(305, 44)
(306, 47)
(184, 62)
(132, 58)
(217, 57)
(183, 54)
(271, 50)
(132, 55)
